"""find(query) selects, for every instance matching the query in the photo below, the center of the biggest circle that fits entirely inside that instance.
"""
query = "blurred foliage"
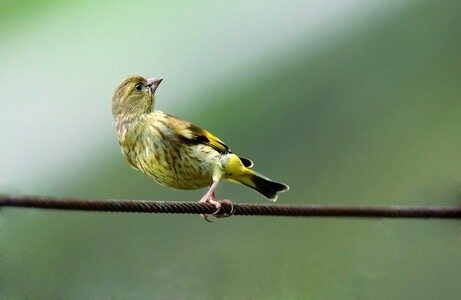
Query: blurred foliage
(370, 119)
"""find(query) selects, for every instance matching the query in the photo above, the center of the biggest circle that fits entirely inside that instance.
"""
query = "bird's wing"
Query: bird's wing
(201, 135)
(191, 133)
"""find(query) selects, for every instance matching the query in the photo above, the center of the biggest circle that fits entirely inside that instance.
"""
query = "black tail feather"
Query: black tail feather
(246, 162)
(267, 187)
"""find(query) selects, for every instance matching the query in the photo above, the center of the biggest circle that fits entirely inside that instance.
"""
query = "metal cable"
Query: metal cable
(179, 207)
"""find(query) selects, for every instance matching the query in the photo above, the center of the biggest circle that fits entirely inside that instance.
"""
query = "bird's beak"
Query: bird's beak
(153, 83)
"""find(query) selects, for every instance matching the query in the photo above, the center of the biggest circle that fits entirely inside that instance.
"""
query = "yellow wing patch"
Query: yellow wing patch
(191, 133)
(205, 137)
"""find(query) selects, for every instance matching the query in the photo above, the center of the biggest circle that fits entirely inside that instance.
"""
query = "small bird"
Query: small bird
(174, 152)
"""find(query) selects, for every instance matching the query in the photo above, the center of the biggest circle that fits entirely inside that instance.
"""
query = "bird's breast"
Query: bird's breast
(161, 155)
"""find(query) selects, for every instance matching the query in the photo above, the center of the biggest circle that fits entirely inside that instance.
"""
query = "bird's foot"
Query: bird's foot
(219, 213)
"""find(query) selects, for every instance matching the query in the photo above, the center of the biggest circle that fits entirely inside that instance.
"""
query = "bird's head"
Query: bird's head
(134, 96)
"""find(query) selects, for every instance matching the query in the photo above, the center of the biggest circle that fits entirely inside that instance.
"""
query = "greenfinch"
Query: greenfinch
(174, 152)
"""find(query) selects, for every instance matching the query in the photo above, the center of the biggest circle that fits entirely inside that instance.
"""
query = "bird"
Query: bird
(176, 153)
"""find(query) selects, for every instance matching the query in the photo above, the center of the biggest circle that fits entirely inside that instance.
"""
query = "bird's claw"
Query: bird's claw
(218, 214)
(226, 202)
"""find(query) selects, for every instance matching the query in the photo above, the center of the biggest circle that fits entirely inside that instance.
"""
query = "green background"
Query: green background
(351, 102)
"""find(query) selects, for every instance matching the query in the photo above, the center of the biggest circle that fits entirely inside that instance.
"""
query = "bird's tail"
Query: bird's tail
(256, 181)
(264, 185)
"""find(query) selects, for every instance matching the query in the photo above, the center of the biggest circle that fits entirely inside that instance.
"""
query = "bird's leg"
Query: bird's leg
(210, 197)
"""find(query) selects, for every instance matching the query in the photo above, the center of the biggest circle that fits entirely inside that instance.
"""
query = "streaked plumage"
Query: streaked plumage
(174, 152)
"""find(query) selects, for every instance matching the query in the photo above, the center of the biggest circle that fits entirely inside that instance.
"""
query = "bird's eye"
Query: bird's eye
(138, 87)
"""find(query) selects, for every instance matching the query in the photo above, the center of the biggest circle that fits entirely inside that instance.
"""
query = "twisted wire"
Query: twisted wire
(181, 207)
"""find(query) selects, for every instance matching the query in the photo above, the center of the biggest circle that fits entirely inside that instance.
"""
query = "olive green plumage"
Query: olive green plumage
(174, 152)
